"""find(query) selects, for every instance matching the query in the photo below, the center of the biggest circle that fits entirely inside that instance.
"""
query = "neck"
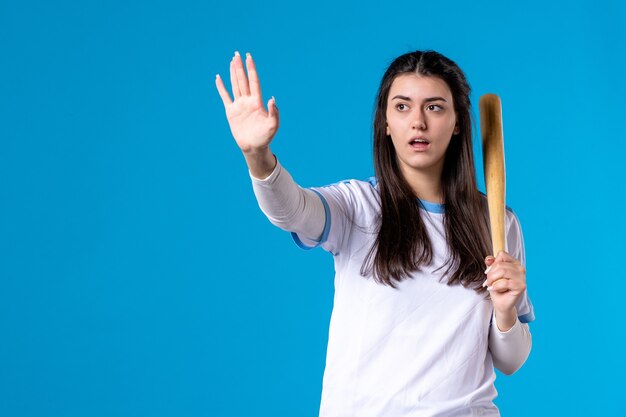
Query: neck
(426, 185)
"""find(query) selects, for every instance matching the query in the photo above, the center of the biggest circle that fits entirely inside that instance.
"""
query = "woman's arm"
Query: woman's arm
(280, 198)
(509, 340)
(509, 349)
(288, 206)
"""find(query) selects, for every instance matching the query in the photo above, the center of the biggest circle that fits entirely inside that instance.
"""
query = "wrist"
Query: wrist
(505, 319)
(261, 162)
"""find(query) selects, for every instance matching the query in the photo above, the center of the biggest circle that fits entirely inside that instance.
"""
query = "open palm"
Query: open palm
(252, 126)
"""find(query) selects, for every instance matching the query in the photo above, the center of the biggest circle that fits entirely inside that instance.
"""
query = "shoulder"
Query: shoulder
(356, 196)
(513, 232)
(362, 190)
(511, 219)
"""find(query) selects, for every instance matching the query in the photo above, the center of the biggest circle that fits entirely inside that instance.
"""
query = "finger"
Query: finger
(500, 285)
(242, 80)
(505, 284)
(496, 271)
(510, 271)
(233, 79)
(255, 84)
(272, 109)
(505, 257)
(489, 283)
(506, 266)
(489, 261)
(219, 83)
(500, 270)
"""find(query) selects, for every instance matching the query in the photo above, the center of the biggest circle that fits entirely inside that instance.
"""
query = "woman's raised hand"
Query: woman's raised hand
(252, 126)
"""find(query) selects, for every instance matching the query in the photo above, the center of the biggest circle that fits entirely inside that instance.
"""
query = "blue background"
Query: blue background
(137, 274)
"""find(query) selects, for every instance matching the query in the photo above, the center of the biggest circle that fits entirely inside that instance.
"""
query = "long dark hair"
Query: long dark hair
(402, 244)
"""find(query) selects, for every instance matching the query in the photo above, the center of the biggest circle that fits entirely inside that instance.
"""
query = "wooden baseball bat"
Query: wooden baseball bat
(493, 162)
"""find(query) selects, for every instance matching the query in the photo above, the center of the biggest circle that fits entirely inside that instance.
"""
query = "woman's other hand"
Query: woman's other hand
(506, 282)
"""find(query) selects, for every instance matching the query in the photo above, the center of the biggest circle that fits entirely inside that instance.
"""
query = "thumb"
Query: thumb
(272, 108)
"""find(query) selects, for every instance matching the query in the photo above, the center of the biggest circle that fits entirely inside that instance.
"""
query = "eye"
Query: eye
(434, 107)
(402, 107)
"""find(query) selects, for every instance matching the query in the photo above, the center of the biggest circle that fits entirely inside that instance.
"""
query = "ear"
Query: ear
(388, 130)
(456, 130)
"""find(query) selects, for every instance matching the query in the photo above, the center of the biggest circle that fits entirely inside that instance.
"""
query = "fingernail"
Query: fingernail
(489, 289)
(236, 53)
(485, 283)
(248, 55)
(217, 76)
(488, 268)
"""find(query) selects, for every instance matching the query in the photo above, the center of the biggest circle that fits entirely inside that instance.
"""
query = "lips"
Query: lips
(419, 143)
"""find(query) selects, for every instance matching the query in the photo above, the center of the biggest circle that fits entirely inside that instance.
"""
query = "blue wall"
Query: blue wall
(137, 275)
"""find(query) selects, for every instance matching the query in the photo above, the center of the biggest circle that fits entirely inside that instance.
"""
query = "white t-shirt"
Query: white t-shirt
(420, 349)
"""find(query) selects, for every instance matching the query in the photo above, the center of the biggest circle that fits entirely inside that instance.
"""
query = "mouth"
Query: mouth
(419, 143)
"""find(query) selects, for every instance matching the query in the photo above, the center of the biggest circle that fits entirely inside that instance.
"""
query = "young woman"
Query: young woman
(418, 323)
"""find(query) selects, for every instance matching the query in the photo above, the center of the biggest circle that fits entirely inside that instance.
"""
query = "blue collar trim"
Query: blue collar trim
(432, 207)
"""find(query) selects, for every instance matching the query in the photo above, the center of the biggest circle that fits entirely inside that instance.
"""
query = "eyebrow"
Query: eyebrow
(426, 100)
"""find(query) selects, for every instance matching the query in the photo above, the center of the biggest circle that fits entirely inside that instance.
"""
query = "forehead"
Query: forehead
(419, 87)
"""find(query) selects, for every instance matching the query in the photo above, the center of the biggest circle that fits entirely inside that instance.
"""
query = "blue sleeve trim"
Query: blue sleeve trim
(524, 318)
(527, 318)
(326, 231)
(373, 181)
(530, 315)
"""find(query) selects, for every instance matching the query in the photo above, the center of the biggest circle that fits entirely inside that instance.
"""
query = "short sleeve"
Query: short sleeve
(344, 203)
(515, 248)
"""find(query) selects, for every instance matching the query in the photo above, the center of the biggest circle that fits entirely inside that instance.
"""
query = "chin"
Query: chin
(424, 166)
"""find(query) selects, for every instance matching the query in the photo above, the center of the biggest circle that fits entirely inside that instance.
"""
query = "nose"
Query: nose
(419, 120)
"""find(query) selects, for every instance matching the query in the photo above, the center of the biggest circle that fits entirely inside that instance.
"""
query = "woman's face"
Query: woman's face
(421, 121)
